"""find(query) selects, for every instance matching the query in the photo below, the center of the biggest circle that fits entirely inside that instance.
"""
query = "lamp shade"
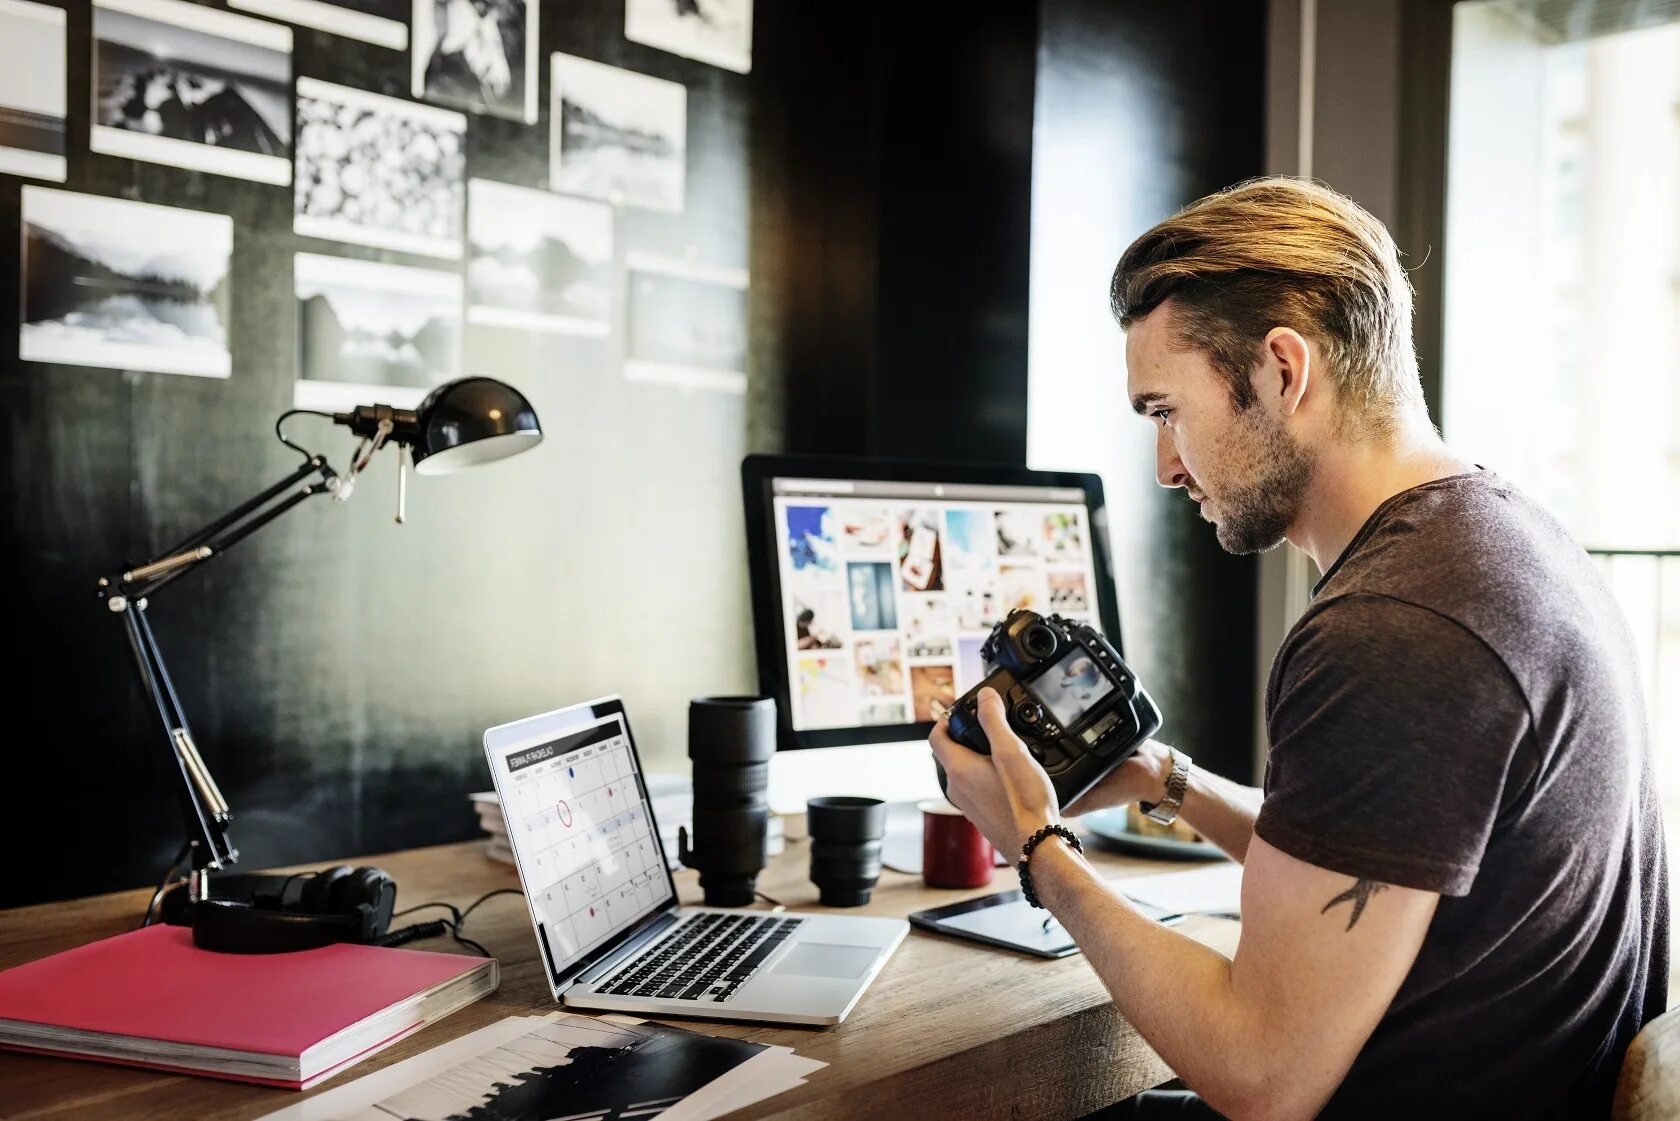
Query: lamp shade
(470, 421)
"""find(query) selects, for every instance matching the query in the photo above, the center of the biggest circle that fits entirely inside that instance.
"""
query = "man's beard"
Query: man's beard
(1255, 515)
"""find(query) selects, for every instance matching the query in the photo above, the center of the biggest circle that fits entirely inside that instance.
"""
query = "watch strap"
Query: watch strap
(1165, 812)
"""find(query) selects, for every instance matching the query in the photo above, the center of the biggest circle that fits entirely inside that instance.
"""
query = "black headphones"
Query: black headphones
(269, 914)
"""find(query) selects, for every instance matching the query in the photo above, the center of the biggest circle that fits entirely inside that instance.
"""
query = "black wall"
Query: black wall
(340, 670)
(894, 199)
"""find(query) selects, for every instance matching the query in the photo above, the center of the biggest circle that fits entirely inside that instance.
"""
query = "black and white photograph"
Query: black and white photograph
(617, 135)
(686, 324)
(32, 90)
(537, 260)
(124, 285)
(379, 171)
(384, 23)
(371, 332)
(189, 86)
(581, 1068)
(718, 32)
(477, 54)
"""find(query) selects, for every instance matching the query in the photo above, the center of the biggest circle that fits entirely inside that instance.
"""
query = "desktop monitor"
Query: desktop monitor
(874, 584)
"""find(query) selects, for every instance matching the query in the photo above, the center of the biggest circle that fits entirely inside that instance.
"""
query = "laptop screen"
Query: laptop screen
(581, 830)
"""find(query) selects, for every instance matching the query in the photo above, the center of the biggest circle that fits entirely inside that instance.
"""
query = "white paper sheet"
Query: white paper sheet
(1200, 891)
(346, 1100)
(765, 1075)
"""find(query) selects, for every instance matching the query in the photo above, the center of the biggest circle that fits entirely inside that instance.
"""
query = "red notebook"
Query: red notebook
(152, 998)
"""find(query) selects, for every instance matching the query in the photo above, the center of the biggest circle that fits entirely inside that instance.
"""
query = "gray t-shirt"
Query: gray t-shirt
(1460, 711)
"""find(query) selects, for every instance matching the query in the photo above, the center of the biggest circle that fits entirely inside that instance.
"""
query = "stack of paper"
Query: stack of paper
(673, 806)
(533, 1068)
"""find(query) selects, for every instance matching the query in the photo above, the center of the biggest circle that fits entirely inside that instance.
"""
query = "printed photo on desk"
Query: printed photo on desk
(32, 91)
(193, 87)
(477, 54)
(686, 324)
(566, 1066)
(124, 285)
(572, 1067)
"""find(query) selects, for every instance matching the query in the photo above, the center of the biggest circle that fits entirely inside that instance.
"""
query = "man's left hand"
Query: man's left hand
(1006, 794)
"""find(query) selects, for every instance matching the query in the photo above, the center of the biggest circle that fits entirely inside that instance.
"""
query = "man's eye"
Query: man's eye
(1161, 415)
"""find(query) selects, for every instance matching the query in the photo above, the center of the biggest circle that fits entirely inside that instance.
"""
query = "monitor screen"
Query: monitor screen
(886, 589)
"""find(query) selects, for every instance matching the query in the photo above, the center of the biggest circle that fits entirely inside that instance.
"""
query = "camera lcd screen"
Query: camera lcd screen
(1071, 686)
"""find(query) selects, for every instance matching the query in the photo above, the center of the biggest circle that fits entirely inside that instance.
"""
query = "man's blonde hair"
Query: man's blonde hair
(1282, 252)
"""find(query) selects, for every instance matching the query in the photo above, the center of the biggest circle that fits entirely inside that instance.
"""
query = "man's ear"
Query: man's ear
(1289, 366)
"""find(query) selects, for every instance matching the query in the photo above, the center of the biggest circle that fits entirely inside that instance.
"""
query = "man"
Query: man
(1454, 890)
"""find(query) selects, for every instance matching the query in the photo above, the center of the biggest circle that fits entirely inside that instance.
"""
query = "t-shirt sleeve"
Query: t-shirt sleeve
(1393, 730)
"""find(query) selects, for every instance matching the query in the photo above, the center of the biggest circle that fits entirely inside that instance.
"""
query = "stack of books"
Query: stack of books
(673, 806)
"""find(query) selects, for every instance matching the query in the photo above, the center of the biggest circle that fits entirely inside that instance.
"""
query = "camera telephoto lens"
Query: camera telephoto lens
(730, 741)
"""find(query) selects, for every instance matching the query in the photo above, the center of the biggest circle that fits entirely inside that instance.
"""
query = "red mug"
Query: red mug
(954, 852)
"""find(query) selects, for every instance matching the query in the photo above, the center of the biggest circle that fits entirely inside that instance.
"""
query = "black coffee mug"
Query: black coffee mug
(730, 741)
(845, 847)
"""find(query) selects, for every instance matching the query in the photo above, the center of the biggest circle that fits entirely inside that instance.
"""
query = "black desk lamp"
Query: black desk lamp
(460, 424)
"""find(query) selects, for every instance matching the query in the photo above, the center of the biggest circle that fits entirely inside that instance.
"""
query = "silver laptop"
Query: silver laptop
(611, 932)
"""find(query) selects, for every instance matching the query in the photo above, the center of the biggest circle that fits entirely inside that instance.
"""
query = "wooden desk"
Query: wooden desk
(949, 1029)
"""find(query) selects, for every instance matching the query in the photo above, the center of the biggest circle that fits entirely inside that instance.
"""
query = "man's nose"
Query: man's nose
(1169, 469)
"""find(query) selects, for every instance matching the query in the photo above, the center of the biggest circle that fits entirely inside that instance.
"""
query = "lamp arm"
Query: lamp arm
(214, 539)
(204, 810)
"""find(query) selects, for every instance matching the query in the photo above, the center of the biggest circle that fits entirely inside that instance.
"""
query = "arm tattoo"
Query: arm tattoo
(1359, 895)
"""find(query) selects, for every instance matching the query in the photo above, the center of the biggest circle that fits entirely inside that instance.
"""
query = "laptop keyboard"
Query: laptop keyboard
(707, 958)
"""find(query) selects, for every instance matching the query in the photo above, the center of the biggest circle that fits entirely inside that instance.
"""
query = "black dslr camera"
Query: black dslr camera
(1069, 696)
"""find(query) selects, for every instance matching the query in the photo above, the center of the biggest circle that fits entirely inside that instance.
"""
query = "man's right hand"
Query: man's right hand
(1141, 778)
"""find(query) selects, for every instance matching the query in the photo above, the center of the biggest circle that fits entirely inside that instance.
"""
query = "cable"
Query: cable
(475, 903)
(305, 452)
(774, 903)
(163, 884)
(437, 927)
(450, 907)
(469, 942)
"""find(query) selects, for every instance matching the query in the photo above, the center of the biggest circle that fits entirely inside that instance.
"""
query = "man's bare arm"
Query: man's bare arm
(1270, 1033)
(1219, 809)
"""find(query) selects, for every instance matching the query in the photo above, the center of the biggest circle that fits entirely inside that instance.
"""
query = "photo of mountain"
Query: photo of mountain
(538, 260)
(686, 324)
(181, 84)
(124, 285)
(371, 332)
(617, 135)
(32, 92)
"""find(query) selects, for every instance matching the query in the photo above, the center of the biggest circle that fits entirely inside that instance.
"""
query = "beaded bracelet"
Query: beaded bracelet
(1025, 872)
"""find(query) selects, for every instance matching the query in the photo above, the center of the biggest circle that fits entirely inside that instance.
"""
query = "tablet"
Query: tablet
(1008, 920)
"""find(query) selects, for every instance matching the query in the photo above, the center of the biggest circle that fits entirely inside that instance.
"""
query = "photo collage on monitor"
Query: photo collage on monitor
(886, 602)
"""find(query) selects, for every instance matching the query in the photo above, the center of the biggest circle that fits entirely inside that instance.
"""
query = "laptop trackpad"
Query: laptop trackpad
(818, 959)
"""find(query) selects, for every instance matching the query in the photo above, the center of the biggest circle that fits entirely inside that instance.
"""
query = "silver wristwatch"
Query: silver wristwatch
(1166, 810)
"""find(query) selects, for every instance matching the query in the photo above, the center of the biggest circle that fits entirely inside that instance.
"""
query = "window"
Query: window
(1562, 331)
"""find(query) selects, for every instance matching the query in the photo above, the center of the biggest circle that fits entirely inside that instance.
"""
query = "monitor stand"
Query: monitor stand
(900, 774)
